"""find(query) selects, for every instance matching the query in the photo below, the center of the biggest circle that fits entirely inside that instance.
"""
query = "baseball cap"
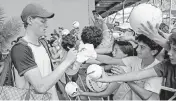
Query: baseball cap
(35, 10)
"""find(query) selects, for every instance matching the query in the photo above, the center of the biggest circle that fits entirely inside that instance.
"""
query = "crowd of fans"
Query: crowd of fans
(138, 65)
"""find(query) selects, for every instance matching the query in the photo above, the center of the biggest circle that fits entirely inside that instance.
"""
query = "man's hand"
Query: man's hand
(99, 19)
(104, 78)
(150, 31)
(71, 55)
(117, 70)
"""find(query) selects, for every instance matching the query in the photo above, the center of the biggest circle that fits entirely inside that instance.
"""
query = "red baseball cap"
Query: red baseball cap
(35, 10)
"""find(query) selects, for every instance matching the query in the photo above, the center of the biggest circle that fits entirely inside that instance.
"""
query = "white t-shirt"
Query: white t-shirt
(123, 92)
(43, 63)
(152, 84)
(26, 56)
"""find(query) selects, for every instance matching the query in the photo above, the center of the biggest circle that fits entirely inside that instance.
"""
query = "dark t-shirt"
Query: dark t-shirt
(168, 71)
(22, 58)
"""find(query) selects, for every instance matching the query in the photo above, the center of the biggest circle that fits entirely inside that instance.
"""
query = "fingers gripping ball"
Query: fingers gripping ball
(94, 71)
(75, 24)
(95, 86)
(71, 88)
(143, 13)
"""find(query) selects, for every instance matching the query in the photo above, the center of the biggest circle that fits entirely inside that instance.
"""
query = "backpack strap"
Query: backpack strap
(45, 44)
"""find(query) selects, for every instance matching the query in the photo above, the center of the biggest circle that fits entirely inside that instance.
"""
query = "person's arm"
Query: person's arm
(132, 76)
(101, 23)
(109, 90)
(103, 50)
(109, 60)
(25, 64)
(92, 61)
(107, 67)
(143, 93)
(108, 38)
(159, 70)
(43, 84)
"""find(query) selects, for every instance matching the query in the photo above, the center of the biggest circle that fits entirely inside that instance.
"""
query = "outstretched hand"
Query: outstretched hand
(117, 70)
(99, 18)
(150, 31)
(104, 78)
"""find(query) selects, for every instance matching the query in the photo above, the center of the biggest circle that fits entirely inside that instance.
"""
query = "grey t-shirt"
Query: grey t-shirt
(22, 58)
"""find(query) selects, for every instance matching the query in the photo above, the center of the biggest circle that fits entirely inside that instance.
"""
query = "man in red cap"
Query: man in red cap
(30, 58)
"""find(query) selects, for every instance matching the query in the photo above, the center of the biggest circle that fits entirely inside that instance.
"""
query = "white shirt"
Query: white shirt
(152, 84)
(43, 63)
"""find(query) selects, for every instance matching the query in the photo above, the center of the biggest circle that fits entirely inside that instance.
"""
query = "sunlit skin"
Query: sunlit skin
(39, 26)
(172, 54)
(118, 53)
(143, 51)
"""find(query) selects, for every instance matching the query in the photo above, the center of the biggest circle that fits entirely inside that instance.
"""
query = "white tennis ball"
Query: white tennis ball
(94, 71)
(95, 86)
(143, 13)
(76, 24)
(71, 88)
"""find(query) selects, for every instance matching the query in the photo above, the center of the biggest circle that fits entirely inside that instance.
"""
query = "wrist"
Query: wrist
(68, 62)
(82, 93)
